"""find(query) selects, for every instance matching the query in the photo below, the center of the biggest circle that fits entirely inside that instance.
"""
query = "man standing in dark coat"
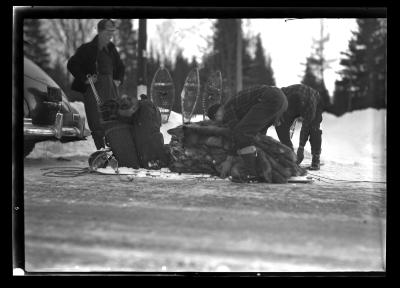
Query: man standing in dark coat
(251, 111)
(98, 57)
(304, 102)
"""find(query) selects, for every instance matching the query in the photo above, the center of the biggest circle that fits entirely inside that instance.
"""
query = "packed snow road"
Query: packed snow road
(107, 223)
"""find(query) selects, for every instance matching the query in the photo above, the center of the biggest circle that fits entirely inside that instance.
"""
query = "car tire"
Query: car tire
(28, 147)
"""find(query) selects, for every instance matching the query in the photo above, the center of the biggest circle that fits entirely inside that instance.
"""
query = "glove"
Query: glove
(300, 155)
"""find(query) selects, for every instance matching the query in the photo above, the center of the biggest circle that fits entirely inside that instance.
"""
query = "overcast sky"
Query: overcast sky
(287, 42)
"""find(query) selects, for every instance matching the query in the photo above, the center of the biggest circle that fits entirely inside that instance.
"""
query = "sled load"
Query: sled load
(132, 133)
(202, 146)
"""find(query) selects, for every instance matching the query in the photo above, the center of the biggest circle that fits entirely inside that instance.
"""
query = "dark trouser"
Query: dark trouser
(261, 116)
(93, 118)
(316, 135)
(121, 138)
(106, 90)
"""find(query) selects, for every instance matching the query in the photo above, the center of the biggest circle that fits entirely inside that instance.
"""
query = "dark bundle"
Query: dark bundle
(201, 147)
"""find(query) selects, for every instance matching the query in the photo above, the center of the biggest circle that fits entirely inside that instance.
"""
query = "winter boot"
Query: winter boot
(249, 156)
(315, 162)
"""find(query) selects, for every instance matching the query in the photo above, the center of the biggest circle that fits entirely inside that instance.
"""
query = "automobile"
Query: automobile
(48, 114)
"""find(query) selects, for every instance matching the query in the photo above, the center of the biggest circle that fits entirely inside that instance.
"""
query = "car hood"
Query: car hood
(34, 72)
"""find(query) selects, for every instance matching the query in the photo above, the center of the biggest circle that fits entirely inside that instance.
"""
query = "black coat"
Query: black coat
(83, 62)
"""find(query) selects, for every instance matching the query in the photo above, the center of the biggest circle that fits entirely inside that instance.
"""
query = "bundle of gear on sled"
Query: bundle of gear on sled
(132, 135)
(202, 147)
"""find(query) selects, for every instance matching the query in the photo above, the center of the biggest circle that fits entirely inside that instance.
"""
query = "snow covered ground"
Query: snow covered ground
(353, 145)
(100, 223)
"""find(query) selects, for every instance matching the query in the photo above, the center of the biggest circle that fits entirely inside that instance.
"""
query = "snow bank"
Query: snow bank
(358, 137)
(353, 145)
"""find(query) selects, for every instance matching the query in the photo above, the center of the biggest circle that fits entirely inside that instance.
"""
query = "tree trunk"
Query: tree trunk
(142, 82)
(239, 81)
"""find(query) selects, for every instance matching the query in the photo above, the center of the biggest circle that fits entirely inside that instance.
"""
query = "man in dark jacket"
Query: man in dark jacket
(98, 57)
(251, 111)
(304, 102)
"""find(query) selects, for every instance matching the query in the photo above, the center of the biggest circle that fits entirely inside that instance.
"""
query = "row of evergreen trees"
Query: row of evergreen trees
(363, 79)
(362, 82)
(256, 67)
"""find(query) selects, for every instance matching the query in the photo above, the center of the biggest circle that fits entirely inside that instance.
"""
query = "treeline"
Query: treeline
(362, 82)
(51, 42)
(256, 66)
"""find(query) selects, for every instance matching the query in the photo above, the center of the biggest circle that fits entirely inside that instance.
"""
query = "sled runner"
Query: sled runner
(190, 95)
(212, 91)
(163, 173)
(300, 179)
(162, 92)
(309, 165)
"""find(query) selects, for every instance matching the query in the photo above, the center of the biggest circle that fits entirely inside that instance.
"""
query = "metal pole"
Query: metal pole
(239, 81)
(142, 61)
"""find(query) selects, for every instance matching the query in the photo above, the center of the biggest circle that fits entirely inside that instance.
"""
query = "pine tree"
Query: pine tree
(377, 91)
(256, 69)
(224, 48)
(179, 74)
(363, 79)
(341, 97)
(248, 62)
(260, 71)
(316, 64)
(153, 63)
(64, 38)
(127, 46)
(36, 42)
(270, 79)
(311, 78)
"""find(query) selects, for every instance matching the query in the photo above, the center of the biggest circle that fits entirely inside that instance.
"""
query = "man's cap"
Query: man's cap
(212, 111)
(106, 24)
